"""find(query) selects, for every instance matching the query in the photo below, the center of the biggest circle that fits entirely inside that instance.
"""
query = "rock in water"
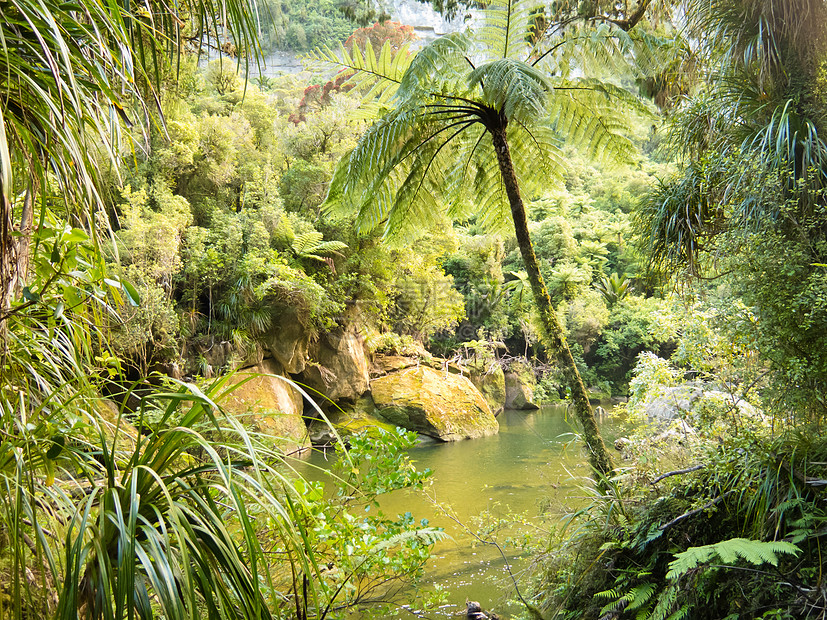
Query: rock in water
(444, 406)
(474, 611)
(519, 387)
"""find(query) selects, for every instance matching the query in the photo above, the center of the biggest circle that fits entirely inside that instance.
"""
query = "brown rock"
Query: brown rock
(288, 341)
(269, 405)
(338, 366)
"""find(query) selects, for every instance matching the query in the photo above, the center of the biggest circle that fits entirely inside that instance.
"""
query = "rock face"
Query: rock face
(672, 402)
(490, 381)
(443, 406)
(270, 406)
(288, 341)
(519, 387)
(338, 366)
(384, 364)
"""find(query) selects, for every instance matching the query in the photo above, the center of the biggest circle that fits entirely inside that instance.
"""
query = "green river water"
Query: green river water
(534, 466)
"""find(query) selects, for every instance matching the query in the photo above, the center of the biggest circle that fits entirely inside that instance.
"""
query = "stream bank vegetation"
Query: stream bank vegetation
(734, 530)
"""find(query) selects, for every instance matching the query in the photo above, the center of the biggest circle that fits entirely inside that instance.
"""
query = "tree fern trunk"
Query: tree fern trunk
(553, 337)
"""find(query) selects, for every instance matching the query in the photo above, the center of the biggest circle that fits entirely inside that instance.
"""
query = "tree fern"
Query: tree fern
(755, 552)
(476, 120)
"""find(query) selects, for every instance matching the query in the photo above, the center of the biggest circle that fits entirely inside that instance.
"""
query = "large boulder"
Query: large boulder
(338, 366)
(384, 364)
(489, 379)
(270, 406)
(288, 341)
(519, 386)
(672, 402)
(434, 403)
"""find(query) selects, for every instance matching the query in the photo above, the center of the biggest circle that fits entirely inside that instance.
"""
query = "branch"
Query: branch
(677, 472)
(686, 515)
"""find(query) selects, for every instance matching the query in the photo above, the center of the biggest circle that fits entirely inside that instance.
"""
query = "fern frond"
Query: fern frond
(311, 245)
(377, 77)
(585, 112)
(682, 613)
(665, 604)
(515, 88)
(439, 67)
(641, 595)
(755, 552)
(506, 27)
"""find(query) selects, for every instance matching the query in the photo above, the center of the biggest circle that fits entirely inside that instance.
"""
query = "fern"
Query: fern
(755, 552)
(311, 245)
(431, 153)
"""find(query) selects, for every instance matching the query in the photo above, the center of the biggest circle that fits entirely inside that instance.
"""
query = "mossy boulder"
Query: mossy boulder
(489, 379)
(431, 402)
(268, 405)
(338, 366)
(519, 386)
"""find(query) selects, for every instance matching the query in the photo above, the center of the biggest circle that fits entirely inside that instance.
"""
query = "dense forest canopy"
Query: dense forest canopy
(599, 199)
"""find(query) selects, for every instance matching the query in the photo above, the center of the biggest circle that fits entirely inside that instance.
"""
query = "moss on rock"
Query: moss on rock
(519, 386)
(444, 406)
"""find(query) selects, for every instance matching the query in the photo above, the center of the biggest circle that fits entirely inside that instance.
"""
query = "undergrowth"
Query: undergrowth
(738, 538)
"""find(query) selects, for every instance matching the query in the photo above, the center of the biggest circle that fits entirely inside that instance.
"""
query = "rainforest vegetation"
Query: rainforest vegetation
(202, 275)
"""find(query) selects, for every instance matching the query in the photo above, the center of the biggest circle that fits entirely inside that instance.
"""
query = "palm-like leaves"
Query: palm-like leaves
(312, 245)
(72, 75)
(429, 155)
(755, 136)
(173, 522)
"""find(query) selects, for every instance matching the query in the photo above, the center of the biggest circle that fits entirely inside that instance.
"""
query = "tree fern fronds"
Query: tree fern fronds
(444, 60)
(312, 245)
(506, 27)
(376, 76)
(756, 552)
(512, 87)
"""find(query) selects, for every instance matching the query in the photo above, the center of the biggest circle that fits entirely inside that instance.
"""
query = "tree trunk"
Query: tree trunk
(25, 241)
(553, 336)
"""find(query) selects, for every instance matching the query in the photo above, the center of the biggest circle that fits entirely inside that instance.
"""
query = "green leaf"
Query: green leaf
(755, 552)
(29, 295)
(76, 236)
(131, 293)
(58, 442)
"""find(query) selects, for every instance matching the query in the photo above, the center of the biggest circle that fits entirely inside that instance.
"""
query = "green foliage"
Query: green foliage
(752, 191)
(636, 324)
(426, 301)
(755, 552)
(304, 25)
(477, 273)
(614, 288)
(393, 188)
(311, 245)
(692, 544)
(651, 374)
(223, 76)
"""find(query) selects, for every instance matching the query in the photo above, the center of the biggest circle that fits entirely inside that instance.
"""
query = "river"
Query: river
(535, 467)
